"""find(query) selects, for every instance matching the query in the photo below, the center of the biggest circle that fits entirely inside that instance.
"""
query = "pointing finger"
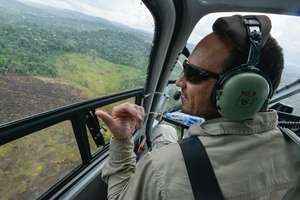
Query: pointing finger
(108, 120)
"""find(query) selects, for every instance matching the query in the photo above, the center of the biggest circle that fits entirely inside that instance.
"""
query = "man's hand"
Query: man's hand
(124, 120)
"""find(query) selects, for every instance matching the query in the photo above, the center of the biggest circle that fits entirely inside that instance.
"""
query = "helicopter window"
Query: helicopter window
(288, 39)
(289, 88)
(55, 54)
(172, 98)
(31, 165)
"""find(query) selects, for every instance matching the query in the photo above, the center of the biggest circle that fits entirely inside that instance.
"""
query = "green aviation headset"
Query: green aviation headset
(244, 90)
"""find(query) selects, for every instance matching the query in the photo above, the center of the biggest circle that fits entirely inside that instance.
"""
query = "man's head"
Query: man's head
(218, 53)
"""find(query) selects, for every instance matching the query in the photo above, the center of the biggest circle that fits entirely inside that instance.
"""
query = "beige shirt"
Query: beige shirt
(251, 160)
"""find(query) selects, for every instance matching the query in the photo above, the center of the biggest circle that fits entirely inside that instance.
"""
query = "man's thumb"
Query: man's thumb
(108, 120)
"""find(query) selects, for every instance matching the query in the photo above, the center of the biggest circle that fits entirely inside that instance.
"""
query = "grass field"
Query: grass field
(30, 165)
(95, 76)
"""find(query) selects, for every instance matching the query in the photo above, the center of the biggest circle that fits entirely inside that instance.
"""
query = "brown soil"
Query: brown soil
(23, 96)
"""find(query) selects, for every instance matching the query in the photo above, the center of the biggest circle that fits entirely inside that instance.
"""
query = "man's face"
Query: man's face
(210, 54)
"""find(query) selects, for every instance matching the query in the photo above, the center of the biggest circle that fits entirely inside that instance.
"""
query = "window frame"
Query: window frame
(76, 114)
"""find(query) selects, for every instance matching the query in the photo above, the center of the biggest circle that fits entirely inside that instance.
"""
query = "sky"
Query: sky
(281, 25)
(134, 14)
(285, 29)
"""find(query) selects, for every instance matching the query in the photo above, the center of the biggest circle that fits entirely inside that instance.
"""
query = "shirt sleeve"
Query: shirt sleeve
(128, 180)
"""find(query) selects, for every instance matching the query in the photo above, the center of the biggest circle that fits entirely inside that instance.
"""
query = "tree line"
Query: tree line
(31, 48)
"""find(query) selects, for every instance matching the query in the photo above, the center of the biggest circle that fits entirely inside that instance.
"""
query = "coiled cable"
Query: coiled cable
(294, 125)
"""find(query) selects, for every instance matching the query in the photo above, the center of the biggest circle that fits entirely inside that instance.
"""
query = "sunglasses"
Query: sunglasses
(196, 74)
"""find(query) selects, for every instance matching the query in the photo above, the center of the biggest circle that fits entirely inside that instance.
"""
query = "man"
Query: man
(251, 159)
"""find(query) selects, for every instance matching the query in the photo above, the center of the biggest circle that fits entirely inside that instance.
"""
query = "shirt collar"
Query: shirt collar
(261, 122)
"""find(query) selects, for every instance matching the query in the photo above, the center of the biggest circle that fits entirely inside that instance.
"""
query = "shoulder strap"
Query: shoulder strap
(201, 174)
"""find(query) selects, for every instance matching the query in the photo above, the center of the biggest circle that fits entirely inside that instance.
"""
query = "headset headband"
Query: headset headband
(234, 28)
(253, 29)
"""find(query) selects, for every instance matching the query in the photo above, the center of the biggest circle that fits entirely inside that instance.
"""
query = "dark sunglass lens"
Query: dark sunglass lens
(194, 75)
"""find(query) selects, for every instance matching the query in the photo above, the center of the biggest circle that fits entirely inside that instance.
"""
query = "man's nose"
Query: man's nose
(180, 81)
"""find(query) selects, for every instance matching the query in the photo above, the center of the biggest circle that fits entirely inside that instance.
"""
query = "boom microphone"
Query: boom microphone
(177, 95)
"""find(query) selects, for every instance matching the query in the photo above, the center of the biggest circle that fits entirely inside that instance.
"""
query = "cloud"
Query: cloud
(128, 12)
(280, 25)
(52, 3)
(134, 14)
(285, 29)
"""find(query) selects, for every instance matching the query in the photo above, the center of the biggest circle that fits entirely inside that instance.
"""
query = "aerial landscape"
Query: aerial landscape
(51, 58)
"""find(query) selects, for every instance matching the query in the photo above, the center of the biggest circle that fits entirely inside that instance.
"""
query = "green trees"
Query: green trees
(30, 48)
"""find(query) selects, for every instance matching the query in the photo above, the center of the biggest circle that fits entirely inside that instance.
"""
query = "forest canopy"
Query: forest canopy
(29, 45)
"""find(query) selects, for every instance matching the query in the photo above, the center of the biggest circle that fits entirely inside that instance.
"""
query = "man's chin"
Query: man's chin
(189, 111)
(186, 111)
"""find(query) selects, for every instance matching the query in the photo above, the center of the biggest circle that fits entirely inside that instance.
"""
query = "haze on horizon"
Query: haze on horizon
(133, 13)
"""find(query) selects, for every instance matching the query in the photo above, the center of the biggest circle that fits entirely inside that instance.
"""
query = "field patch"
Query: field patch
(95, 76)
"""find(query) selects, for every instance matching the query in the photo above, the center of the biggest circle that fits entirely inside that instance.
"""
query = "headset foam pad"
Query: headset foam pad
(234, 30)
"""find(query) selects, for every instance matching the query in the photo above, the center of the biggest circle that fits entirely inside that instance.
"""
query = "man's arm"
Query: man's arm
(119, 167)
(125, 179)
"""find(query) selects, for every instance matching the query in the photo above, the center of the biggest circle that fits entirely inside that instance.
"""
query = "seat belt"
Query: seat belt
(290, 135)
(201, 174)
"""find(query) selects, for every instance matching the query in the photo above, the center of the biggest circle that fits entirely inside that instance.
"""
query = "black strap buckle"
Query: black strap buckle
(253, 28)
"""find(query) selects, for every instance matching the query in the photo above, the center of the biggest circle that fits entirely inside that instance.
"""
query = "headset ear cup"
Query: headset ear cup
(239, 95)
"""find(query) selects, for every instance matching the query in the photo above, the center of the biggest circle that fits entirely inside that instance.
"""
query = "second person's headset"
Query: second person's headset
(244, 90)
